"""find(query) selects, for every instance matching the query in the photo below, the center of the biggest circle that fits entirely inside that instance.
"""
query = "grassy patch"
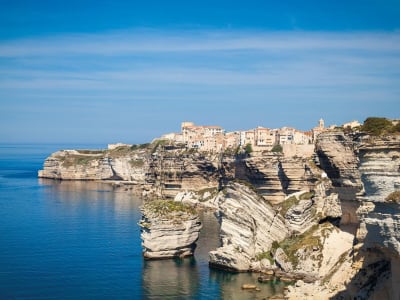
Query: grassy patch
(120, 151)
(307, 240)
(77, 160)
(307, 196)
(140, 146)
(157, 143)
(265, 255)
(393, 197)
(84, 151)
(288, 203)
(168, 208)
(136, 163)
(213, 192)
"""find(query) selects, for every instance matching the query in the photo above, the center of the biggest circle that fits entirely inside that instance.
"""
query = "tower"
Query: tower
(321, 123)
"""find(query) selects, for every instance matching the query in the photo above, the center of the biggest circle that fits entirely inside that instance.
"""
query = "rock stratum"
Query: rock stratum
(168, 229)
(314, 214)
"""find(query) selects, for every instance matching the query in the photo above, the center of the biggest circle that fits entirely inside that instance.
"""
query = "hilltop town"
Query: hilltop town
(323, 212)
(216, 139)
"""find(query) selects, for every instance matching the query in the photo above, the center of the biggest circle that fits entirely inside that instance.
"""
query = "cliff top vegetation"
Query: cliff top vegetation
(167, 208)
(380, 126)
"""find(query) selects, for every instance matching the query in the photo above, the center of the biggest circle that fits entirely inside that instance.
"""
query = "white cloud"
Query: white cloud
(112, 44)
(150, 64)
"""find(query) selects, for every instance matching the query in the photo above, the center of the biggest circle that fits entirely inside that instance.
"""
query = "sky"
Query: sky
(129, 71)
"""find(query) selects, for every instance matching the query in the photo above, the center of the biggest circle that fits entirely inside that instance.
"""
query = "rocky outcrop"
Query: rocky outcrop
(336, 156)
(371, 266)
(162, 170)
(293, 212)
(249, 226)
(119, 164)
(378, 234)
(172, 170)
(274, 175)
(168, 229)
(299, 216)
(379, 167)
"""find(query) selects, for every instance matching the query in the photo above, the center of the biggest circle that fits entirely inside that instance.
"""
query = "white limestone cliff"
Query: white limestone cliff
(168, 229)
(249, 226)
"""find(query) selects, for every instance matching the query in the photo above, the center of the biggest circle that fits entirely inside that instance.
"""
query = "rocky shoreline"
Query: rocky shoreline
(319, 219)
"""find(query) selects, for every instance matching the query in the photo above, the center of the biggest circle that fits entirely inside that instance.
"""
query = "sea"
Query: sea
(81, 240)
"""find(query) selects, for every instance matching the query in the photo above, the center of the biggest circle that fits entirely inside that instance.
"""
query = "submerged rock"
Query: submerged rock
(168, 229)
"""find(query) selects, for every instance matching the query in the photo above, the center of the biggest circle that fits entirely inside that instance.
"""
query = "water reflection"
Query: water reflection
(176, 278)
(99, 227)
(231, 284)
(95, 193)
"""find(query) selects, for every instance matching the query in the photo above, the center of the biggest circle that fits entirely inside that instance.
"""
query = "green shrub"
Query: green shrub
(248, 149)
(306, 240)
(265, 255)
(397, 127)
(277, 148)
(377, 126)
(140, 146)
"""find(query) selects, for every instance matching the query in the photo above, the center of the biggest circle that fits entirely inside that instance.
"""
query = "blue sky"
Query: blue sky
(129, 71)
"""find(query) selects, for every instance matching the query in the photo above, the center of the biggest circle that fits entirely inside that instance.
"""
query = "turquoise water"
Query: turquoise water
(80, 240)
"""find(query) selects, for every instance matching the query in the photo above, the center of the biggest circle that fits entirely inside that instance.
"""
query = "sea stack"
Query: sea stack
(168, 229)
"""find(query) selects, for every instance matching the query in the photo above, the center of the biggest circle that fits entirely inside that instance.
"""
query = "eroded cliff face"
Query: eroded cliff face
(276, 175)
(162, 171)
(168, 229)
(379, 166)
(336, 156)
(119, 164)
(371, 268)
(296, 239)
(174, 170)
(249, 226)
(327, 219)
(378, 235)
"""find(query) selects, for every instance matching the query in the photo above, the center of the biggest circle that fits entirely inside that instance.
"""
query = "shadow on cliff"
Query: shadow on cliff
(377, 277)
(285, 181)
(259, 179)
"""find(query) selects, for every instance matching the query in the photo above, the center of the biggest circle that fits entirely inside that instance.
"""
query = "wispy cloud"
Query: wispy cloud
(199, 41)
(182, 64)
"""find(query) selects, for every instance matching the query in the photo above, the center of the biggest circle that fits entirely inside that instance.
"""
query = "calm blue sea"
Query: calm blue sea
(80, 240)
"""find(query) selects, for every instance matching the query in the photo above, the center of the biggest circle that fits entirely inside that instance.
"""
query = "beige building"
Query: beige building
(302, 137)
(232, 139)
(286, 135)
(206, 138)
(265, 137)
(352, 124)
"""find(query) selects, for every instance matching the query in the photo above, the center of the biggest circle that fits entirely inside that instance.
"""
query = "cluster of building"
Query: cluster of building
(214, 138)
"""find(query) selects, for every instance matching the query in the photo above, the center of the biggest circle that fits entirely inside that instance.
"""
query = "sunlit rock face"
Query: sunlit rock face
(337, 157)
(380, 167)
(124, 165)
(168, 229)
(249, 225)
(171, 171)
(275, 175)
(379, 230)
